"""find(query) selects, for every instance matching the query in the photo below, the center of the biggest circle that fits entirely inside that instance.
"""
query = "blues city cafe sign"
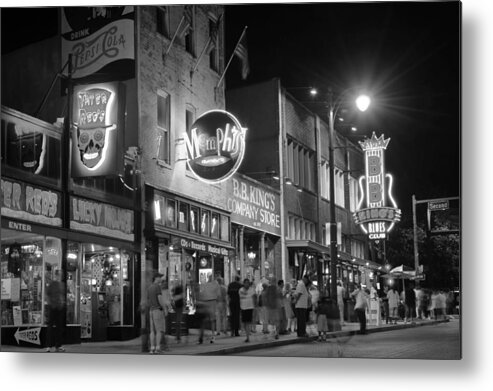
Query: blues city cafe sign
(215, 145)
(377, 210)
(97, 130)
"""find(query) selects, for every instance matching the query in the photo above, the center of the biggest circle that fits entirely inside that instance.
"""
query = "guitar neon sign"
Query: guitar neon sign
(381, 213)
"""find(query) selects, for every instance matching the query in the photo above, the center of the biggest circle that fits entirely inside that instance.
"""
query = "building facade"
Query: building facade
(292, 145)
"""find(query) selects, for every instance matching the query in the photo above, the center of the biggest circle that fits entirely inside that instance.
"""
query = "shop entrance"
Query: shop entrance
(106, 293)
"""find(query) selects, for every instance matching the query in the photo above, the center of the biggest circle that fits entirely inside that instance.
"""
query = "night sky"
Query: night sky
(406, 54)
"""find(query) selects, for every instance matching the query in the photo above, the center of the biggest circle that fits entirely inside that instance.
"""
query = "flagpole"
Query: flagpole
(201, 54)
(231, 58)
(174, 36)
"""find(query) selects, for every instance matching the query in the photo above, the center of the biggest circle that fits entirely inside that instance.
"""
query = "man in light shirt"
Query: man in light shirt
(301, 305)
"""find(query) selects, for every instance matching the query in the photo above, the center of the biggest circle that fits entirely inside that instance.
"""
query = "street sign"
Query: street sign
(438, 205)
(419, 277)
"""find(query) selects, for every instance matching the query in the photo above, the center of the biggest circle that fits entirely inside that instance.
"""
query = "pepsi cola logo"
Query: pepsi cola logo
(215, 146)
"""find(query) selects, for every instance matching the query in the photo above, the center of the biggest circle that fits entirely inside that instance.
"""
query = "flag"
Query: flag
(213, 34)
(241, 52)
(187, 21)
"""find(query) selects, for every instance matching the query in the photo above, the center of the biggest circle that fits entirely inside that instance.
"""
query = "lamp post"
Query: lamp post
(362, 102)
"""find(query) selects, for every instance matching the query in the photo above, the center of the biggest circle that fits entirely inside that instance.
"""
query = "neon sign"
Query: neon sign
(381, 213)
(97, 133)
(215, 146)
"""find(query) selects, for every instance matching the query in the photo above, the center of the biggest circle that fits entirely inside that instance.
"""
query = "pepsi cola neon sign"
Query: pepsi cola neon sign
(215, 146)
(377, 210)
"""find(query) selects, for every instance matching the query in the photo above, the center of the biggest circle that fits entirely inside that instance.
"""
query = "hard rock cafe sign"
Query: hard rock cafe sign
(377, 211)
(215, 146)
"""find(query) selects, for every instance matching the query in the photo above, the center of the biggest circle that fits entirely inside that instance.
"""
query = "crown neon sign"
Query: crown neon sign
(379, 215)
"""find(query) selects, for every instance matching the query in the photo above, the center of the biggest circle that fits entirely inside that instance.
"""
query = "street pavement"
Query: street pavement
(438, 342)
(223, 344)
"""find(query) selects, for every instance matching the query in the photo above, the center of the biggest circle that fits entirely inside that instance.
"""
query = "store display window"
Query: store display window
(28, 263)
(215, 225)
(183, 217)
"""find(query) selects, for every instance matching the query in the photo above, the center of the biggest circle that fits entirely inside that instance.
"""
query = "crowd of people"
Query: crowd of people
(283, 308)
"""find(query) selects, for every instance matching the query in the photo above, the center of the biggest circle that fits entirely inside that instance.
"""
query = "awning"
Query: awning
(308, 246)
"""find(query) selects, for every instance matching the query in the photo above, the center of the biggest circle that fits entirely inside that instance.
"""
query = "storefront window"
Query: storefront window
(73, 281)
(215, 225)
(225, 228)
(183, 217)
(22, 278)
(205, 223)
(194, 219)
(171, 213)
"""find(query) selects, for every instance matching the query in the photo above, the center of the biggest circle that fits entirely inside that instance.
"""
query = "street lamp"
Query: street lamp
(362, 103)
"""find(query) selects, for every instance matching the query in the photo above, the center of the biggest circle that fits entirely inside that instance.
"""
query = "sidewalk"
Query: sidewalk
(223, 345)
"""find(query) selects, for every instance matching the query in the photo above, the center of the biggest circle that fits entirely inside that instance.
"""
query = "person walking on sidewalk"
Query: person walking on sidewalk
(55, 294)
(206, 306)
(221, 307)
(301, 305)
(393, 298)
(248, 300)
(341, 292)
(156, 313)
(288, 308)
(361, 296)
(410, 303)
(272, 304)
(178, 304)
(234, 306)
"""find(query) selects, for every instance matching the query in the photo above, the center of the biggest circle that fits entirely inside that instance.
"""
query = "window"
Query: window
(300, 165)
(215, 225)
(339, 192)
(194, 219)
(183, 217)
(213, 54)
(171, 213)
(225, 228)
(162, 24)
(353, 194)
(163, 125)
(300, 229)
(205, 228)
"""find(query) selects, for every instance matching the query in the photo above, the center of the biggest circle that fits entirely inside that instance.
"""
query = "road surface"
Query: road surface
(434, 342)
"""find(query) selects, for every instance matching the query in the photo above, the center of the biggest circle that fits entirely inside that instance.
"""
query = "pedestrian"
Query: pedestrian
(248, 300)
(450, 302)
(384, 301)
(433, 305)
(283, 320)
(272, 305)
(207, 302)
(442, 304)
(393, 300)
(178, 304)
(361, 296)
(55, 295)
(156, 313)
(234, 306)
(409, 298)
(167, 307)
(341, 293)
(221, 319)
(288, 308)
(302, 305)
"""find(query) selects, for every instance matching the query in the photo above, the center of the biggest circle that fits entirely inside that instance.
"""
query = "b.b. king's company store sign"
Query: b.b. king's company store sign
(254, 205)
(381, 212)
(215, 146)
(104, 219)
(22, 201)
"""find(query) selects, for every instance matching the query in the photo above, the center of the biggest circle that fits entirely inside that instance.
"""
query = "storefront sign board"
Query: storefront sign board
(98, 130)
(29, 335)
(202, 246)
(377, 211)
(215, 146)
(100, 218)
(99, 37)
(23, 201)
(254, 205)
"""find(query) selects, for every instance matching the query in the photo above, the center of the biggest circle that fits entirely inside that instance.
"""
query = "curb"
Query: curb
(331, 335)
